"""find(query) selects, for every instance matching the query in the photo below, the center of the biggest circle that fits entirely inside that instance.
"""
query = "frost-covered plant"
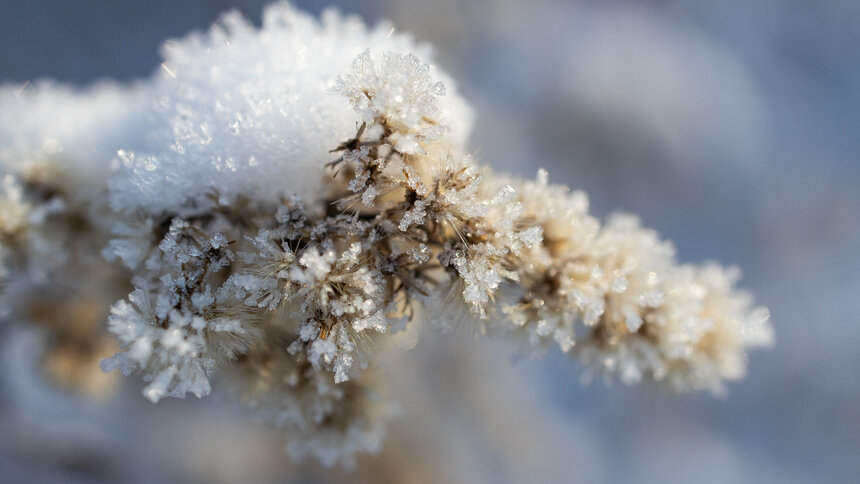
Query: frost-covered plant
(56, 144)
(300, 192)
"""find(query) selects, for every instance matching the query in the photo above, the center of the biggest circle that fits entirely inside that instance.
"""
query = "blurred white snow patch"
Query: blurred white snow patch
(638, 69)
(674, 450)
(77, 131)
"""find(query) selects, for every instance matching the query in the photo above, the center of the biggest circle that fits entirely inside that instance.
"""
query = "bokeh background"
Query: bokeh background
(729, 126)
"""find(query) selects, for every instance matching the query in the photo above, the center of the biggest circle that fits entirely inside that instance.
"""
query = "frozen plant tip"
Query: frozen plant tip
(302, 191)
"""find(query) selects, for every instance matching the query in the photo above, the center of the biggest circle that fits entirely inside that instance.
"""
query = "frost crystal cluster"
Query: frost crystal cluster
(282, 200)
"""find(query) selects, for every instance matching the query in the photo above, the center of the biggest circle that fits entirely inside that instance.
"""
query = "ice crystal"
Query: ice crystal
(396, 93)
(171, 351)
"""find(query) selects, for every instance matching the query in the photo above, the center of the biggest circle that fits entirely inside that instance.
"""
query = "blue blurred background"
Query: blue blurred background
(729, 126)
